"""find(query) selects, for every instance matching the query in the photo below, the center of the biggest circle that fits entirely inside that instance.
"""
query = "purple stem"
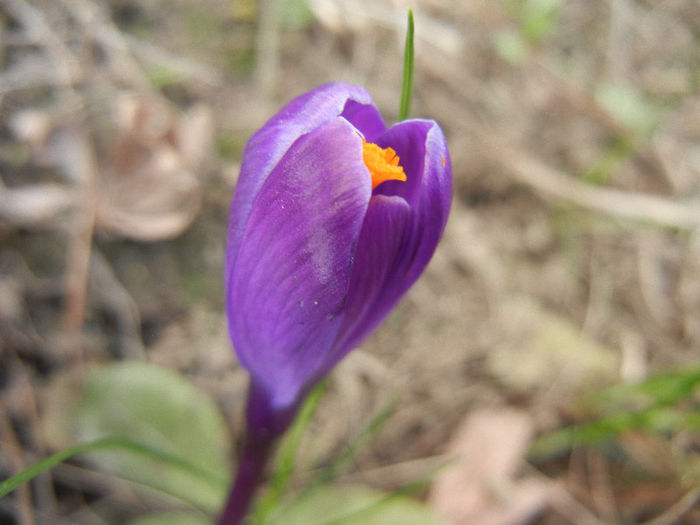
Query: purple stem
(265, 426)
(250, 470)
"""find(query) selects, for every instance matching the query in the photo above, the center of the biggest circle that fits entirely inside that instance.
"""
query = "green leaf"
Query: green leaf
(295, 14)
(539, 18)
(510, 46)
(159, 409)
(630, 107)
(604, 168)
(354, 505)
(346, 457)
(660, 405)
(161, 76)
(663, 389)
(172, 518)
(408, 62)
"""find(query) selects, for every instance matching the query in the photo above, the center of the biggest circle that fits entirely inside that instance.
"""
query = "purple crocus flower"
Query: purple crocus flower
(334, 217)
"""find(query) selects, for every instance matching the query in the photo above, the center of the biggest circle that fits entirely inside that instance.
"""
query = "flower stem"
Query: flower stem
(250, 471)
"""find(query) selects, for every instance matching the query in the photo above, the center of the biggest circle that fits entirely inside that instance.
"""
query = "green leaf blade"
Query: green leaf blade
(408, 65)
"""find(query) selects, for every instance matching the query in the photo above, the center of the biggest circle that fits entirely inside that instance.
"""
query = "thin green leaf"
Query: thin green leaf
(348, 455)
(330, 472)
(665, 389)
(408, 61)
(27, 474)
(290, 445)
(656, 405)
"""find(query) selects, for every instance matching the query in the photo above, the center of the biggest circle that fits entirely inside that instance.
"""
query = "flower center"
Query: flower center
(382, 163)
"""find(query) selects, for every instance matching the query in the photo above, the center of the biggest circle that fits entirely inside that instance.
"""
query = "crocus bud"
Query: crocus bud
(334, 217)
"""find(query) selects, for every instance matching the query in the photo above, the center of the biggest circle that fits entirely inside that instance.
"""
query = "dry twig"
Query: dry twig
(676, 512)
(12, 451)
(564, 503)
(551, 183)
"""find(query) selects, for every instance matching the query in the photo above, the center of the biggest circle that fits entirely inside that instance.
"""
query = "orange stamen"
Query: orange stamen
(382, 163)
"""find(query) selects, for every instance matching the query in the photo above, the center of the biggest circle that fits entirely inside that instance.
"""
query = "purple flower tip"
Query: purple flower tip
(325, 237)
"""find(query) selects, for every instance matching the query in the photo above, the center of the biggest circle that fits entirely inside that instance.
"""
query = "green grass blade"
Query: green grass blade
(32, 471)
(348, 455)
(659, 405)
(408, 61)
(290, 446)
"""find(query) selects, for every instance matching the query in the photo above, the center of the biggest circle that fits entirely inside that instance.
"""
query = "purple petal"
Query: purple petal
(366, 118)
(266, 147)
(422, 150)
(377, 250)
(289, 282)
(395, 247)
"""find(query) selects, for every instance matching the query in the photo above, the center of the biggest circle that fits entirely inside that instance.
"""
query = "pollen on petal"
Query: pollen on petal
(382, 163)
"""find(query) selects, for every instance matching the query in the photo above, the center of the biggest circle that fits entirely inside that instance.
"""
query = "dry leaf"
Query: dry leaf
(31, 126)
(36, 205)
(481, 486)
(64, 148)
(147, 189)
(150, 189)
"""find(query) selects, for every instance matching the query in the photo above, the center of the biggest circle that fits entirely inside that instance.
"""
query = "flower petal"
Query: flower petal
(396, 248)
(288, 285)
(378, 247)
(266, 147)
(366, 118)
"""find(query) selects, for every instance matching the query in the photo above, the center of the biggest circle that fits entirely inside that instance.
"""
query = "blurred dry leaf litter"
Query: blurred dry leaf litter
(150, 189)
(552, 354)
(481, 485)
(35, 206)
(147, 188)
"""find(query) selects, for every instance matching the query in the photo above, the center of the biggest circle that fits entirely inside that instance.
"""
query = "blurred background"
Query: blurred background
(552, 346)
